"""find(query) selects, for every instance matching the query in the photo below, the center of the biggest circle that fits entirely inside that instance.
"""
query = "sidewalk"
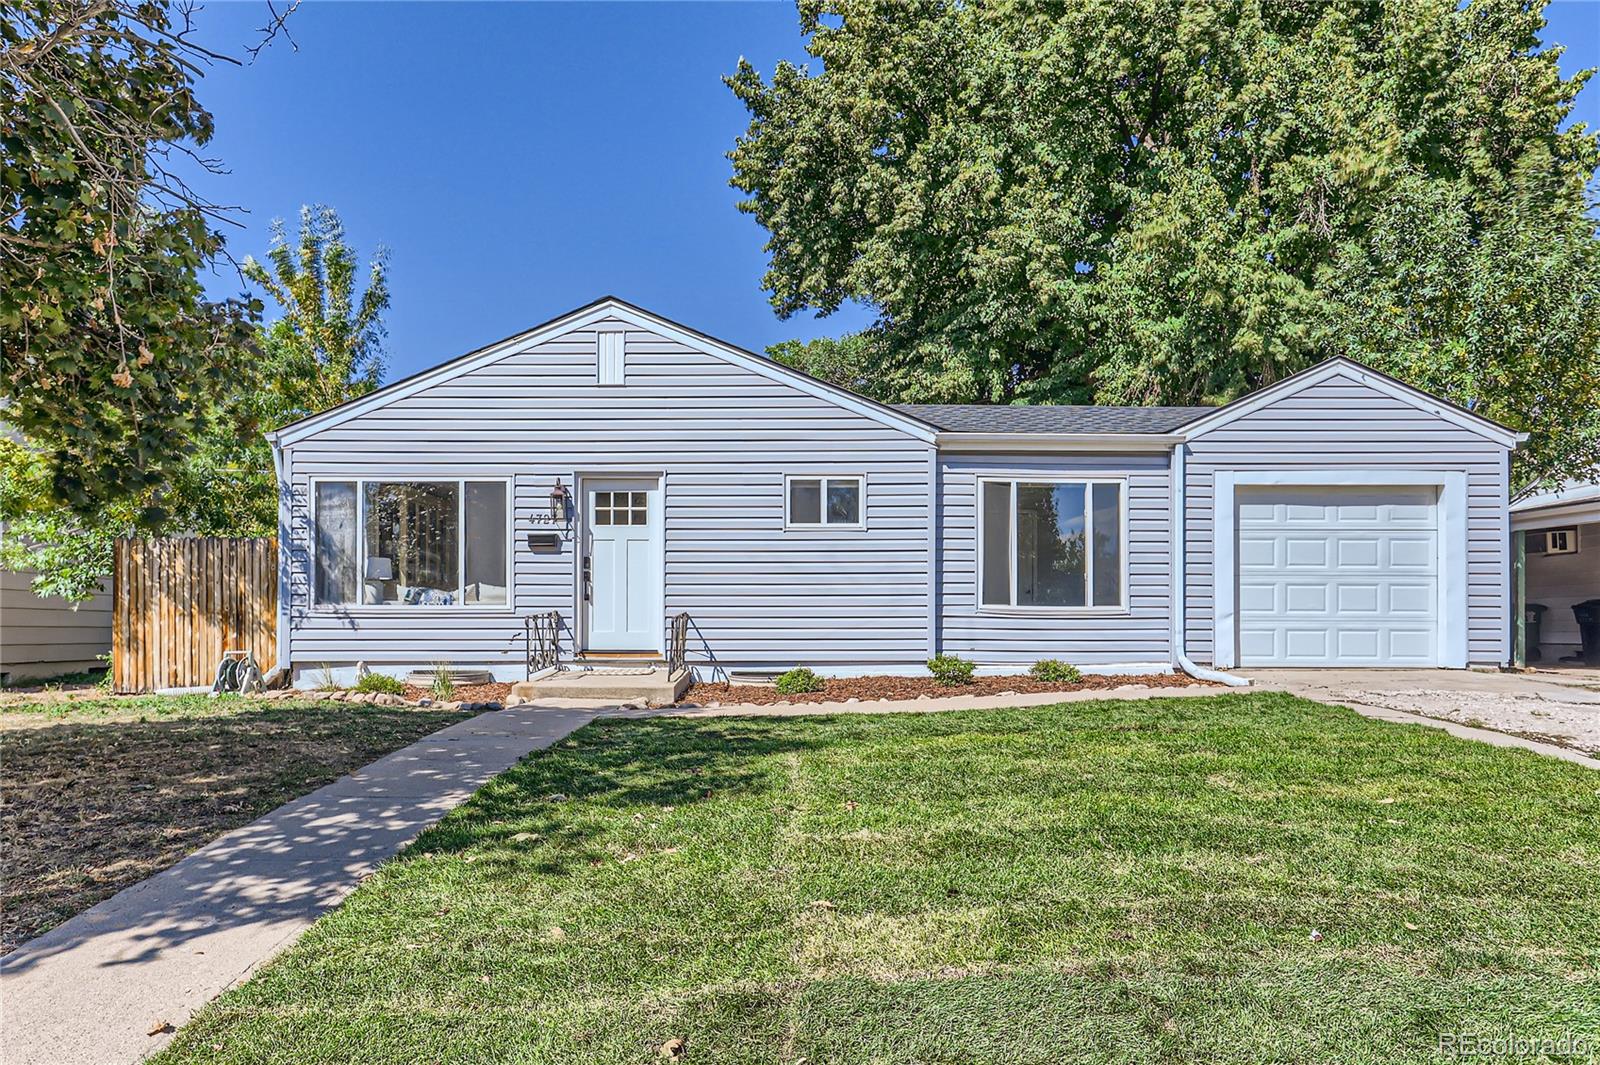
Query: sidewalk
(94, 989)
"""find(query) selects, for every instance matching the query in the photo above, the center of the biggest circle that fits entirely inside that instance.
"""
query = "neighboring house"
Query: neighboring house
(47, 637)
(42, 637)
(621, 469)
(1560, 531)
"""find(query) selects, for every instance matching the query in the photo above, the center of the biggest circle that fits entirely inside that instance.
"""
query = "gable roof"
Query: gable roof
(933, 423)
(1054, 419)
(607, 307)
(1341, 366)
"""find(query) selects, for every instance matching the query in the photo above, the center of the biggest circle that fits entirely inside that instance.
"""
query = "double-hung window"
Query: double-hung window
(824, 502)
(1052, 544)
(411, 543)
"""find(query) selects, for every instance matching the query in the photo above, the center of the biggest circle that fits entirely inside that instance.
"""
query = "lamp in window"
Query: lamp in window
(378, 570)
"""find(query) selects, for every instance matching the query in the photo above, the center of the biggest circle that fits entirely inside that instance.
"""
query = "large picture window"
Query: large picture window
(411, 543)
(1051, 545)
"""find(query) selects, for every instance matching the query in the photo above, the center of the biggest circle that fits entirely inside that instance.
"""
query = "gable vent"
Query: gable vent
(609, 362)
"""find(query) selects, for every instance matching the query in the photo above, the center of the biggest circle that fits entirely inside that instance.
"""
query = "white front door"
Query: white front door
(1338, 576)
(623, 578)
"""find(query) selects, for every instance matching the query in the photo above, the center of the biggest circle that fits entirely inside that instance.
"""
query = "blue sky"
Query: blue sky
(521, 159)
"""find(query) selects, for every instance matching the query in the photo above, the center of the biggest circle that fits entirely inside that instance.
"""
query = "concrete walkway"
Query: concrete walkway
(109, 985)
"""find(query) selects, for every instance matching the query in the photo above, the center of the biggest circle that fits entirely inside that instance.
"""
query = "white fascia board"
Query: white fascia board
(1057, 441)
(586, 316)
(1566, 496)
(1576, 513)
(1338, 366)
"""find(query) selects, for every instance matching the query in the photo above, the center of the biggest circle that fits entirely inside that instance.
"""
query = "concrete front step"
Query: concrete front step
(655, 686)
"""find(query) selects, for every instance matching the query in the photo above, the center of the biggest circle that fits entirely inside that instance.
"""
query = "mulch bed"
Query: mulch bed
(465, 693)
(867, 689)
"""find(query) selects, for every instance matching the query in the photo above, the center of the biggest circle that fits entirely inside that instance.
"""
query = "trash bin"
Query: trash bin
(1588, 615)
(1532, 617)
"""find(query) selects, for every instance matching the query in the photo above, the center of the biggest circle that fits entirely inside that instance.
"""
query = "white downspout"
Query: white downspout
(279, 670)
(1180, 565)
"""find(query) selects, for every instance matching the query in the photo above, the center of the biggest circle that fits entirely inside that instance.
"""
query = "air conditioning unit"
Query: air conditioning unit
(1553, 542)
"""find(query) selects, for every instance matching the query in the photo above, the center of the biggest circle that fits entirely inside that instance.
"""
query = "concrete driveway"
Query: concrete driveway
(1559, 712)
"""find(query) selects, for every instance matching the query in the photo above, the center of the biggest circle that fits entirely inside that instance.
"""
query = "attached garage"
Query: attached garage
(1342, 518)
(1338, 576)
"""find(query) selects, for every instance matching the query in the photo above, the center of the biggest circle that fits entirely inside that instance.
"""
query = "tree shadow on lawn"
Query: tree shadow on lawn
(615, 764)
(92, 808)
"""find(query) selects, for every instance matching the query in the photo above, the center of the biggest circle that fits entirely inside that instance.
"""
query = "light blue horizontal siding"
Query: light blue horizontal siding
(1140, 635)
(723, 438)
(1344, 424)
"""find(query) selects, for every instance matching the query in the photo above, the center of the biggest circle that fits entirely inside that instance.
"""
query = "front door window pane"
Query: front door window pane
(1051, 567)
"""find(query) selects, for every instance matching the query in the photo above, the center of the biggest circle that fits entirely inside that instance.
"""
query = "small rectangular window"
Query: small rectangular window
(825, 501)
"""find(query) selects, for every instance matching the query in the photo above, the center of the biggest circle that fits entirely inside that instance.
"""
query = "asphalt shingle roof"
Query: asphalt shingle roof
(991, 418)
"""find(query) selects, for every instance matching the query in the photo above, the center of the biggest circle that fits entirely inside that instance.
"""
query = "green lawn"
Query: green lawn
(1102, 882)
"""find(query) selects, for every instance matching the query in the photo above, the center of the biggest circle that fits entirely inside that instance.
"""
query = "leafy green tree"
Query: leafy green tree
(325, 349)
(846, 362)
(111, 351)
(1165, 201)
(329, 340)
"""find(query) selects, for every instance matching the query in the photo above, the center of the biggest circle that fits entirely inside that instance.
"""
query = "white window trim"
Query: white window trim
(382, 610)
(1452, 572)
(1118, 609)
(825, 525)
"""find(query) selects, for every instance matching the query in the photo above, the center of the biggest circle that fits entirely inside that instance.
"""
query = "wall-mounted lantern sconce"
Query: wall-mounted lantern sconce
(559, 518)
(559, 497)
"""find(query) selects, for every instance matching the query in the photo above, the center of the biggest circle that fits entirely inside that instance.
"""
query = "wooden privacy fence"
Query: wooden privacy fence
(181, 601)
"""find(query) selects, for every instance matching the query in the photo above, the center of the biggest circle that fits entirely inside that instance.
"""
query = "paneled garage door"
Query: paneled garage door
(1338, 576)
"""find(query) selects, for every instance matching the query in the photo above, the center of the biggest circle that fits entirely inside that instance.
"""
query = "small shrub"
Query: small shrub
(948, 669)
(444, 685)
(377, 682)
(798, 681)
(326, 681)
(1055, 671)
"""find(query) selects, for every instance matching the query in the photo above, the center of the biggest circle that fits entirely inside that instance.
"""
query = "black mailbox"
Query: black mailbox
(544, 541)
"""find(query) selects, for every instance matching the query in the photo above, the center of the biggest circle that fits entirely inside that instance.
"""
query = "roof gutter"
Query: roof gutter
(1180, 599)
(952, 441)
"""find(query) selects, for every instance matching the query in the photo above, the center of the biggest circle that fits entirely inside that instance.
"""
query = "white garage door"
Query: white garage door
(1338, 576)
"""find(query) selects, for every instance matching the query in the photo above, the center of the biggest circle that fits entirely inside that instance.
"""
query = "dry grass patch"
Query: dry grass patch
(100, 794)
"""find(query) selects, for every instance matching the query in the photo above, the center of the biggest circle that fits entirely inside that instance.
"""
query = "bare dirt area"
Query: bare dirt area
(100, 794)
(868, 689)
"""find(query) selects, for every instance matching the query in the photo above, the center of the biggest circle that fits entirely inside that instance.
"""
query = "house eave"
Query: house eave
(1057, 442)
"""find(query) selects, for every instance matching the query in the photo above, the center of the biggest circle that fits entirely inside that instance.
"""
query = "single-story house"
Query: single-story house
(622, 470)
(1559, 536)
